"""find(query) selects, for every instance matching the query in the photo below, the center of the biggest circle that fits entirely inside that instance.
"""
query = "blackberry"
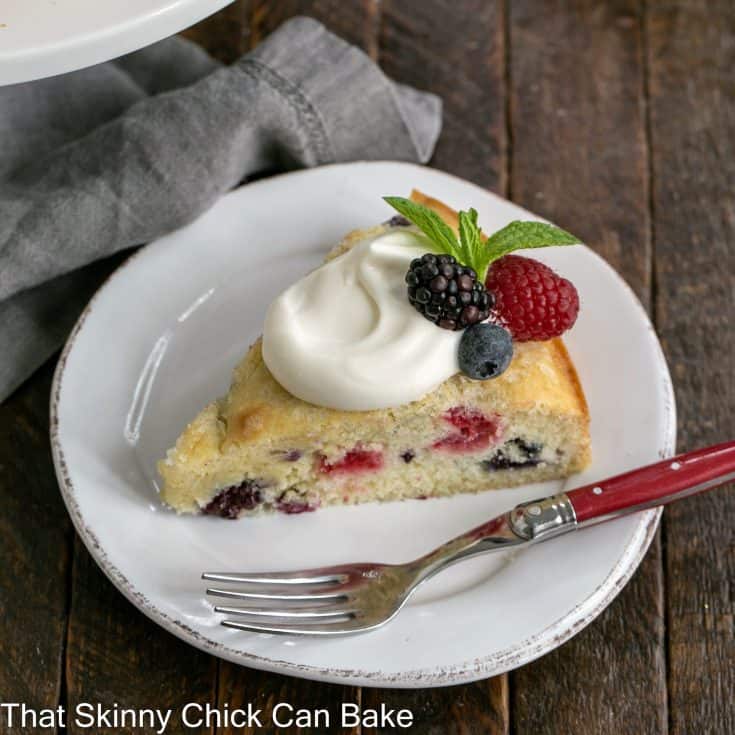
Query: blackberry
(447, 292)
(397, 220)
(231, 500)
(514, 454)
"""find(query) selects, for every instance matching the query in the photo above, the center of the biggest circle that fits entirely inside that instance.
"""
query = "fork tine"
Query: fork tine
(315, 596)
(338, 627)
(295, 578)
(301, 614)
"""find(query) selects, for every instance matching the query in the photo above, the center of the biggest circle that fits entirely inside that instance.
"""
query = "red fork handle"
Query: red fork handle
(656, 484)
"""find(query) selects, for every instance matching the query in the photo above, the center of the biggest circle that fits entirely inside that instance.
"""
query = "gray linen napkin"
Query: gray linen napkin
(106, 158)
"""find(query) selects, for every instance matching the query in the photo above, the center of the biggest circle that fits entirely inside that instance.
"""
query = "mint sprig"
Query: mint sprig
(471, 248)
(430, 223)
(519, 235)
(470, 237)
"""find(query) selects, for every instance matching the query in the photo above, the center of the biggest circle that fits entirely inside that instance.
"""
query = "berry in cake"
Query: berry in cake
(398, 220)
(235, 499)
(355, 461)
(514, 454)
(472, 431)
(375, 399)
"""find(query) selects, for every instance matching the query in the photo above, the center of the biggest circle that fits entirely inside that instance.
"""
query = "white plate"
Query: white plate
(40, 38)
(159, 340)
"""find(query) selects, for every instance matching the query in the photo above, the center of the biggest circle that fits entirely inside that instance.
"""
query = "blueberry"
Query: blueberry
(485, 351)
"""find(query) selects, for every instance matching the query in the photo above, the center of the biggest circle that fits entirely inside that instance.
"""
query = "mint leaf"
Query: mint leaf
(520, 235)
(470, 250)
(430, 223)
(469, 237)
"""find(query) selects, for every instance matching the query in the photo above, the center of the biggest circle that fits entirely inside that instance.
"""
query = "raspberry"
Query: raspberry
(473, 431)
(531, 301)
(354, 462)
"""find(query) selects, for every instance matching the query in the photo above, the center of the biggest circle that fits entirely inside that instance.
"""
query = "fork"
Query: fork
(353, 598)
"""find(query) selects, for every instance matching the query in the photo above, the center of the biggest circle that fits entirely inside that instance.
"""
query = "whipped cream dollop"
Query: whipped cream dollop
(345, 336)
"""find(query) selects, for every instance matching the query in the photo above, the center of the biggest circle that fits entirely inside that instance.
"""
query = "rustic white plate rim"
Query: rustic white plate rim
(552, 635)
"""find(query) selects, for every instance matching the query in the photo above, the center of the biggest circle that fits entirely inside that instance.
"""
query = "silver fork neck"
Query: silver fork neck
(538, 520)
(527, 523)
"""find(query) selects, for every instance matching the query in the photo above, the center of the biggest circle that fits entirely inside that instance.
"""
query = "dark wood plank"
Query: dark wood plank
(354, 20)
(578, 126)
(460, 56)
(691, 55)
(115, 655)
(611, 678)
(35, 538)
(224, 34)
(469, 709)
(580, 158)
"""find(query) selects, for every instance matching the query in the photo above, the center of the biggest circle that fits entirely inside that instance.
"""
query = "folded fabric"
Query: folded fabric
(114, 156)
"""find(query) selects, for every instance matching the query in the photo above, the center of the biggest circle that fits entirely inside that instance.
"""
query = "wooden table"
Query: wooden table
(615, 118)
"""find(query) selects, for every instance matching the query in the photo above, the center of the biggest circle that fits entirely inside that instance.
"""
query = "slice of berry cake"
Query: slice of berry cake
(265, 448)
